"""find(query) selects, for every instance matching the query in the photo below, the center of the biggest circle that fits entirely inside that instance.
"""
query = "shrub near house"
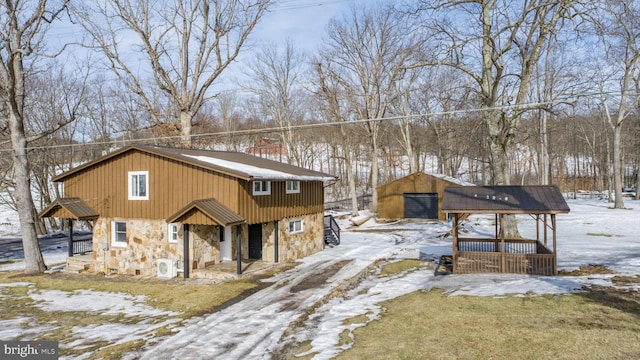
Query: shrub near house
(149, 204)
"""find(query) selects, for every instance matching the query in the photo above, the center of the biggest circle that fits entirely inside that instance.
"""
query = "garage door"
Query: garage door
(422, 206)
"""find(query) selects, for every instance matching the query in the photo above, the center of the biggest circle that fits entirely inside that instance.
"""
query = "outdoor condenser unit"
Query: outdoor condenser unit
(167, 269)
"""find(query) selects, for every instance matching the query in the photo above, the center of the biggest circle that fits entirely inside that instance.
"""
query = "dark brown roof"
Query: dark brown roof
(211, 208)
(534, 199)
(69, 208)
(239, 165)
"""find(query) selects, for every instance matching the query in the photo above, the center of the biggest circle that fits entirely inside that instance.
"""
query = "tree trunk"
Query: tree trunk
(185, 128)
(617, 167)
(33, 261)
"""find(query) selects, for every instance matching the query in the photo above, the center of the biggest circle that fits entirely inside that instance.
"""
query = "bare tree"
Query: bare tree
(497, 44)
(368, 51)
(619, 28)
(186, 45)
(24, 25)
(331, 94)
(276, 81)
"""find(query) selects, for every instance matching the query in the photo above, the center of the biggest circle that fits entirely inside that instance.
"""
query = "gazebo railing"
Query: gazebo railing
(520, 257)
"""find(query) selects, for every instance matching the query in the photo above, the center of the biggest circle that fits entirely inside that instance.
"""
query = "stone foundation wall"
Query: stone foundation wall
(147, 241)
(294, 246)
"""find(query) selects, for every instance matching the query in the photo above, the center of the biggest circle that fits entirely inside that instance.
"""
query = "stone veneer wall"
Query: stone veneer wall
(205, 245)
(294, 246)
(147, 241)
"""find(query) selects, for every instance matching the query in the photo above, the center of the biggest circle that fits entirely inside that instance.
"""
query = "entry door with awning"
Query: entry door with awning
(421, 206)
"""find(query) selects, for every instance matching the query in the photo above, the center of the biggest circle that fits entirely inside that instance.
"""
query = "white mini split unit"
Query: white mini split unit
(167, 269)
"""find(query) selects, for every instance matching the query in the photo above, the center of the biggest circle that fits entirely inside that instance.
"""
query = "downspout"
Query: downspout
(186, 263)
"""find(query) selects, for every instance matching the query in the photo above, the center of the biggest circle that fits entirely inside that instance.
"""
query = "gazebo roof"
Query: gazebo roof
(506, 199)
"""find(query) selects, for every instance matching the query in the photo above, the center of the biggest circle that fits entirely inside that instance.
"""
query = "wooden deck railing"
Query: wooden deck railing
(520, 257)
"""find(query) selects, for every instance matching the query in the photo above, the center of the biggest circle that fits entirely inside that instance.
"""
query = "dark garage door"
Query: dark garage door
(422, 206)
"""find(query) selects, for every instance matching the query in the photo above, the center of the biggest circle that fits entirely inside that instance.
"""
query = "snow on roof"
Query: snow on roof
(451, 179)
(257, 172)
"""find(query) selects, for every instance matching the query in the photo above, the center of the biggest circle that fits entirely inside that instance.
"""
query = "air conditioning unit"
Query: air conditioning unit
(167, 268)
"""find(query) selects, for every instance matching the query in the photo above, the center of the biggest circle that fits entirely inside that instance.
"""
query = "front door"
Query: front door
(255, 241)
(225, 244)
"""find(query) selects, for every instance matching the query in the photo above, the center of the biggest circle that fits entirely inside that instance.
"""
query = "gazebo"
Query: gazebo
(500, 254)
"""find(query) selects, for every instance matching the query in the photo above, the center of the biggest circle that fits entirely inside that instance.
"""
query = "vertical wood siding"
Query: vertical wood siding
(391, 195)
(173, 185)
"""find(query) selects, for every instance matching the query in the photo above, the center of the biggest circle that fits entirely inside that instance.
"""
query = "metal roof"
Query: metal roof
(239, 165)
(506, 199)
(69, 208)
(211, 208)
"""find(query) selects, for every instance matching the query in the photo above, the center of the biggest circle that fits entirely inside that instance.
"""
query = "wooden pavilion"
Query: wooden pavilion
(500, 254)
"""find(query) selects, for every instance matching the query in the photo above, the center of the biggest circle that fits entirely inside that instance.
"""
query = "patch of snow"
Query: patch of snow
(257, 172)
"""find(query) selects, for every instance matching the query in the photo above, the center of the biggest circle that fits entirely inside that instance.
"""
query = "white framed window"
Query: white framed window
(293, 187)
(262, 188)
(172, 231)
(295, 226)
(119, 233)
(138, 185)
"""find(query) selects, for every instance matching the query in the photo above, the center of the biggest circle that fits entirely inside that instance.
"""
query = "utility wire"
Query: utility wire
(279, 129)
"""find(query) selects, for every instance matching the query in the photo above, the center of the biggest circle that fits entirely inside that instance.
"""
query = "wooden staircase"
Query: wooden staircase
(331, 231)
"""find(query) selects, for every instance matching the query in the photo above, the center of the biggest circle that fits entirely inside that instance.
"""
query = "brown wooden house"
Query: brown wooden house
(418, 195)
(500, 254)
(159, 211)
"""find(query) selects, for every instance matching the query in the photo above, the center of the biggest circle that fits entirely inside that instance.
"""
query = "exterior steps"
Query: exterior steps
(78, 264)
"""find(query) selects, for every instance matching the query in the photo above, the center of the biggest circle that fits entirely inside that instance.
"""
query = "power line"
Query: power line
(278, 129)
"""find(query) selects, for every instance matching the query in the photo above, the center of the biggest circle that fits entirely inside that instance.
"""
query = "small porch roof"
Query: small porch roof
(206, 212)
(69, 208)
(506, 199)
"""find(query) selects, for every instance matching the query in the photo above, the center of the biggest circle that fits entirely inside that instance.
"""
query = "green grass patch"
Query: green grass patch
(596, 324)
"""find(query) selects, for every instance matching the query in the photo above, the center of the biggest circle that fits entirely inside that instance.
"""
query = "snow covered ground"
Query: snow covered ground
(299, 304)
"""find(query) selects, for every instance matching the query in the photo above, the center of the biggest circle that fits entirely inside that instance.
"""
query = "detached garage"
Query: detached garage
(418, 195)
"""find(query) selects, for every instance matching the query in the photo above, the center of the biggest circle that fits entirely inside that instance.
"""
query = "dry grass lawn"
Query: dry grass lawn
(184, 298)
(599, 324)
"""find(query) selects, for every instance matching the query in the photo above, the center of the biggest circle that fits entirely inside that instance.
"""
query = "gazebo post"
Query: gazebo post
(537, 227)
(503, 260)
(454, 238)
(555, 257)
(495, 246)
(545, 230)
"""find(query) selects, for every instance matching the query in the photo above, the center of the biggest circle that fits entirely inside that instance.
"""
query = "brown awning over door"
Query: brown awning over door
(206, 212)
(69, 208)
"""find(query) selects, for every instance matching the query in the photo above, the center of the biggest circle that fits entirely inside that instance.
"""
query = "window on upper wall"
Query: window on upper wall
(138, 185)
(261, 188)
(295, 226)
(119, 233)
(173, 232)
(293, 187)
